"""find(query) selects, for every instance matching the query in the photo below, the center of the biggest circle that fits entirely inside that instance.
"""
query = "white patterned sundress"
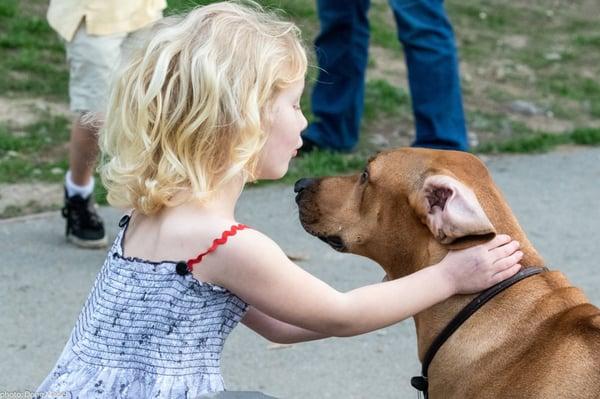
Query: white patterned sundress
(145, 331)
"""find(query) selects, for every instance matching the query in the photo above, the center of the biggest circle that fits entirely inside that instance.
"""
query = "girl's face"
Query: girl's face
(283, 140)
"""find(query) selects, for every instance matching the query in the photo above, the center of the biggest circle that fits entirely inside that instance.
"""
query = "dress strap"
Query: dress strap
(185, 267)
(123, 224)
(124, 221)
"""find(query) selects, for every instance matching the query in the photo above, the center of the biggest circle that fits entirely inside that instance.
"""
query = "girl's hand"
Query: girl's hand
(475, 269)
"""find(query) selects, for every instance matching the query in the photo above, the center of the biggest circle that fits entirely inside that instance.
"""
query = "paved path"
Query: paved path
(43, 283)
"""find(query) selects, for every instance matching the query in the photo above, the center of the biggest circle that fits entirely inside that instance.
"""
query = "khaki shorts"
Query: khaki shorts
(92, 60)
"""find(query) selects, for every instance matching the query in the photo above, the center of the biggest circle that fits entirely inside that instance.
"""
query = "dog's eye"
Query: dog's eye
(364, 176)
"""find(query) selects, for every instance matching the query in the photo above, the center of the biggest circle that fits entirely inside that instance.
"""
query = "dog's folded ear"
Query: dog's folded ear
(451, 210)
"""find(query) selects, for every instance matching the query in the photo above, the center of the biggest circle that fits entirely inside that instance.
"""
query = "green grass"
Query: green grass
(497, 123)
(383, 99)
(323, 163)
(30, 207)
(383, 32)
(49, 131)
(587, 41)
(33, 65)
(24, 153)
(542, 142)
(296, 9)
(588, 136)
(33, 60)
(585, 91)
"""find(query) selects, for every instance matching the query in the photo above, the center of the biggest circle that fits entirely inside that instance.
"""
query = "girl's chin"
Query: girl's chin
(274, 174)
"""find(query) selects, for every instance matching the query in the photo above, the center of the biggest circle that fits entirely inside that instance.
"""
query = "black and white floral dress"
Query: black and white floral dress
(146, 331)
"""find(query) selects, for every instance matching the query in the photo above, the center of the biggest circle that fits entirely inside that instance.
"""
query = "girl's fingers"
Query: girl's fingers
(508, 261)
(505, 250)
(497, 241)
(503, 275)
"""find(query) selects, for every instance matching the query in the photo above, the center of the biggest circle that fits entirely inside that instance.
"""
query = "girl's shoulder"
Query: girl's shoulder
(235, 241)
(173, 237)
(236, 250)
(227, 233)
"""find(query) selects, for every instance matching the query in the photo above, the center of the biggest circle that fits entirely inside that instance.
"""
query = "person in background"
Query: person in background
(94, 32)
(433, 76)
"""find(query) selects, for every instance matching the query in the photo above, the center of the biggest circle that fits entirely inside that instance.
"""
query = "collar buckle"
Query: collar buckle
(419, 383)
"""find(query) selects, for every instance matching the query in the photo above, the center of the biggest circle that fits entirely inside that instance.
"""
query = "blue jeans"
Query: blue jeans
(432, 62)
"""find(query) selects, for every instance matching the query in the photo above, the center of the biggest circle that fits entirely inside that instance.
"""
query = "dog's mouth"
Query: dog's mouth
(309, 217)
(334, 242)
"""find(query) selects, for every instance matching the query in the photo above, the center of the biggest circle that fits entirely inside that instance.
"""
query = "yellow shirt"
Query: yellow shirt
(102, 17)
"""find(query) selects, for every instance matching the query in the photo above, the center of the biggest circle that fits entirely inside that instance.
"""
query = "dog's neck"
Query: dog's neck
(430, 322)
(421, 250)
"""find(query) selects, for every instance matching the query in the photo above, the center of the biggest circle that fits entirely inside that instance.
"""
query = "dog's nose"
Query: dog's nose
(302, 184)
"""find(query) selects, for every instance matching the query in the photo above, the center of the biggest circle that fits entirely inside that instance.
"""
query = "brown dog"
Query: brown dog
(540, 338)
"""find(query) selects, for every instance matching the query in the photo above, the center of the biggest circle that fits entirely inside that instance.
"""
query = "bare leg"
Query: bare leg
(84, 225)
(83, 151)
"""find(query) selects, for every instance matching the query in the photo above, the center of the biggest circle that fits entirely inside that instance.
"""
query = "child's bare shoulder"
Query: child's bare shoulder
(240, 252)
(180, 236)
(248, 242)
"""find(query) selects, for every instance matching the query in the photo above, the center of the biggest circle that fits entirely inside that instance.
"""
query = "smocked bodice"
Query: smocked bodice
(146, 331)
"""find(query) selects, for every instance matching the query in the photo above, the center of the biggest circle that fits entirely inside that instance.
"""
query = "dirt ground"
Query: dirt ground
(499, 90)
(30, 197)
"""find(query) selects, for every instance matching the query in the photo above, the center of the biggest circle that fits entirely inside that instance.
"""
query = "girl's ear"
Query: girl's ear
(451, 210)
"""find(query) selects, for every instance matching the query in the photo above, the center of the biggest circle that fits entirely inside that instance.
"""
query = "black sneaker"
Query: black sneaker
(84, 226)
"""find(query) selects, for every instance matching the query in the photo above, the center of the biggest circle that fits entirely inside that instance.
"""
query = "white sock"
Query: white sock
(73, 189)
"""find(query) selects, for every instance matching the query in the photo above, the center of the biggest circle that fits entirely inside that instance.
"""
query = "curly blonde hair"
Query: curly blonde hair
(187, 109)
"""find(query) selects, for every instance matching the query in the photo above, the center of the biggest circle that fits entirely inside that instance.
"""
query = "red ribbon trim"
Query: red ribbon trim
(216, 242)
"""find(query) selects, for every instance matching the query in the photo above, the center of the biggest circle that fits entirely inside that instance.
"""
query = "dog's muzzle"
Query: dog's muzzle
(301, 185)
(334, 242)
(301, 188)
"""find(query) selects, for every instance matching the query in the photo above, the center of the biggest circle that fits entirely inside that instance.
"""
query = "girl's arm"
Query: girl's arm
(256, 269)
(278, 331)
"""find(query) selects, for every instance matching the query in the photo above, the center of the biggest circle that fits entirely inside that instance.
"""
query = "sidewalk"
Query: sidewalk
(44, 282)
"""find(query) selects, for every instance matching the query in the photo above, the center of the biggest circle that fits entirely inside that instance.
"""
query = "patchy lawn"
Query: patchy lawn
(529, 72)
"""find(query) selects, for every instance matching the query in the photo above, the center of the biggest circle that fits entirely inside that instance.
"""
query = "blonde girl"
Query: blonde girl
(209, 102)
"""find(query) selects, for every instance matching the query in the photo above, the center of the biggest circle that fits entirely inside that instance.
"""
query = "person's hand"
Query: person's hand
(477, 268)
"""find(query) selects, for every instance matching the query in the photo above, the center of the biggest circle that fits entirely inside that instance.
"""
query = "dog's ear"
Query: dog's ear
(451, 210)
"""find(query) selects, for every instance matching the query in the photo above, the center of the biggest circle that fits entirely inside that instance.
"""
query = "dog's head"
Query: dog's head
(407, 208)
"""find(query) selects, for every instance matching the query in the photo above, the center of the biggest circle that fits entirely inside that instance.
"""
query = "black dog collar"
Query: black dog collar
(420, 382)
